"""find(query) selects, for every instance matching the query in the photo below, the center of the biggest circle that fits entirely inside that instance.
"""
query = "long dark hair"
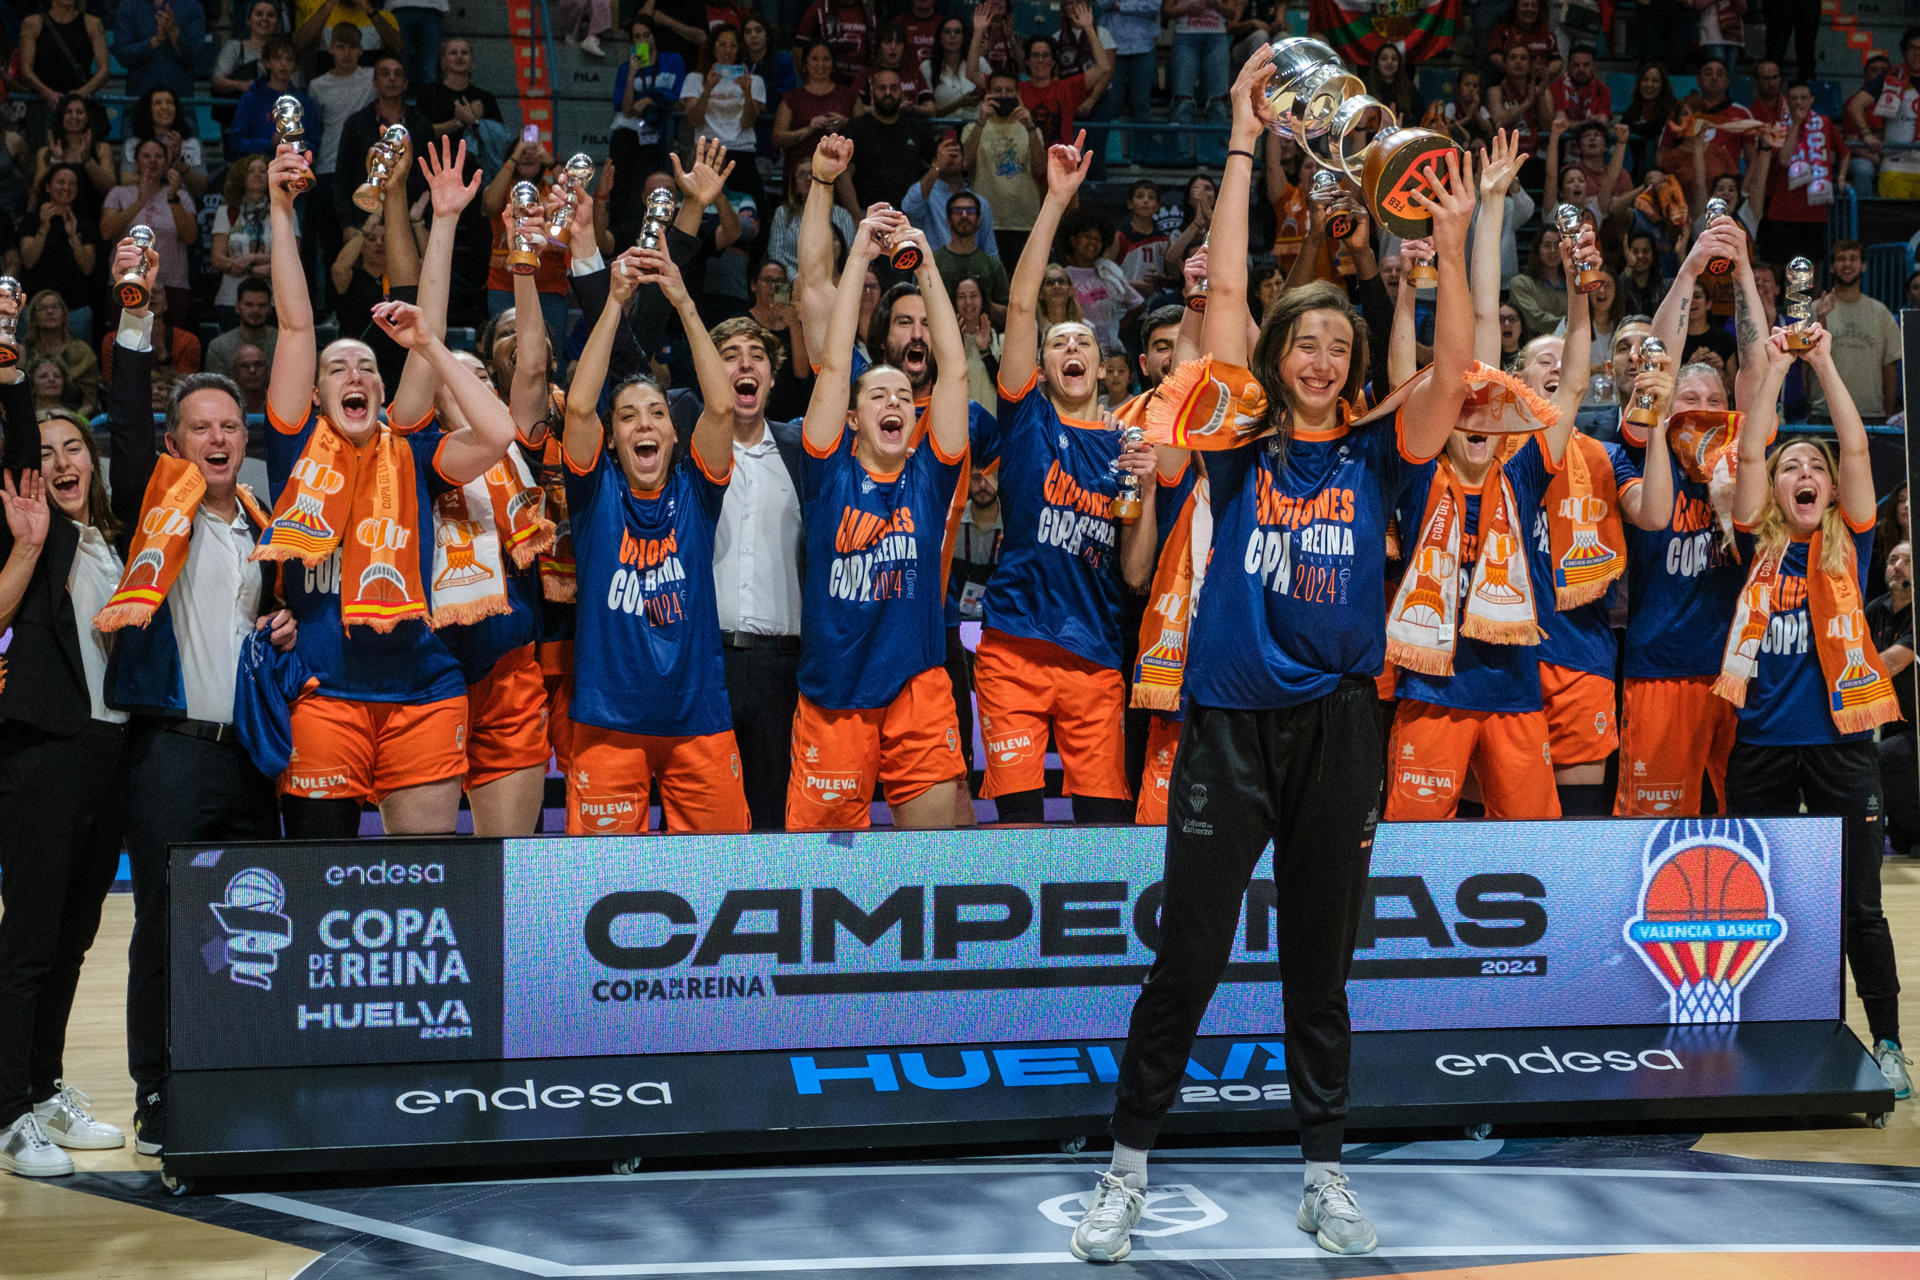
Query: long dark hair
(99, 503)
(96, 118)
(140, 119)
(1276, 337)
(706, 62)
(1663, 106)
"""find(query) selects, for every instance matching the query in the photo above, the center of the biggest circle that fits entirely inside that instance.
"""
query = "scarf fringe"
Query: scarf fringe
(537, 543)
(1731, 687)
(1521, 631)
(1155, 697)
(1428, 662)
(1196, 406)
(1866, 718)
(466, 613)
(1584, 593)
(116, 616)
(559, 586)
(274, 551)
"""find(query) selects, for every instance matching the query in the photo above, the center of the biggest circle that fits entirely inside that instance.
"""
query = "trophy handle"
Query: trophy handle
(1345, 120)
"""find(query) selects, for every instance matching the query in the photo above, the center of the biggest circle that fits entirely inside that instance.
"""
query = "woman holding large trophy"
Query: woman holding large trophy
(1282, 740)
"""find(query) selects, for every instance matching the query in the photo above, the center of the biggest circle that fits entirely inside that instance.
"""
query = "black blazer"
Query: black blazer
(46, 683)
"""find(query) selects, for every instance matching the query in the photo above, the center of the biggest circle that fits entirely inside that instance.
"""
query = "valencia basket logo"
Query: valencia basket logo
(1707, 919)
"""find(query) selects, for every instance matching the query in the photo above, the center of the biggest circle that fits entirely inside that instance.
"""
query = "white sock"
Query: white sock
(1129, 1162)
(1319, 1171)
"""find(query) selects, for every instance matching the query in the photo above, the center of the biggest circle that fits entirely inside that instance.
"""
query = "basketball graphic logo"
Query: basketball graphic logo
(253, 915)
(1707, 919)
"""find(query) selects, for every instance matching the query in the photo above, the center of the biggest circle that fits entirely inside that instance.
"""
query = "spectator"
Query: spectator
(1892, 526)
(372, 28)
(963, 257)
(1800, 22)
(63, 250)
(529, 162)
(1056, 101)
(363, 128)
(157, 117)
(955, 83)
(1658, 206)
(253, 128)
(1580, 95)
(45, 332)
(243, 59)
(1708, 113)
(783, 235)
(1707, 340)
(1513, 332)
(1467, 113)
(1866, 339)
(421, 52)
(176, 352)
(1607, 177)
(1769, 101)
(158, 42)
(846, 27)
(1389, 80)
(1519, 102)
(923, 24)
(62, 51)
(582, 21)
(154, 198)
(722, 101)
(1058, 302)
(892, 148)
(773, 310)
(51, 388)
(1722, 31)
(680, 25)
(1540, 292)
(242, 240)
(1794, 223)
(1652, 105)
(253, 325)
(1890, 620)
(927, 200)
(971, 308)
(1139, 245)
(453, 102)
(346, 87)
(1007, 156)
(820, 106)
(1889, 106)
(1099, 285)
(76, 138)
(1526, 24)
(358, 276)
(775, 69)
(890, 53)
(250, 375)
(1642, 284)
(645, 87)
(1135, 26)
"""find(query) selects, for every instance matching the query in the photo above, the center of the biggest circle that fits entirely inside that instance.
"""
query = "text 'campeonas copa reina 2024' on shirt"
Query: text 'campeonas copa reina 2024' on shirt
(1683, 582)
(875, 549)
(1059, 573)
(646, 647)
(1295, 595)
(408, 664)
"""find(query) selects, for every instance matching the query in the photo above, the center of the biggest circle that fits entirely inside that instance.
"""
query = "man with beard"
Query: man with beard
(254, 308)
(1579, 94)
(1866, 340)
(891, 147)
(1602, 422)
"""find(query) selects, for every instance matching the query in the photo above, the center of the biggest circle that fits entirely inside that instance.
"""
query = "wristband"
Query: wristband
(825, 182)
(1235, 151)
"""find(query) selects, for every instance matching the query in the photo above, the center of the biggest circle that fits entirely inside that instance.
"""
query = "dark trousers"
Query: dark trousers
(61, 818)
(1837, 781)
(960, 676)
(183, 791)
(1797, 19)
(1308, 779)
(763, 686)
(1900, 788)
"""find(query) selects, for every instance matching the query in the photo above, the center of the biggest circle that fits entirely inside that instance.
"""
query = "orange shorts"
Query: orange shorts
(907, 746)
(1163, 743)
(346, 750)
(1672, 731)
(612, 771)
(1433, 747)
(1580, 719)
(507, 720)
(1026, 687)
(556, 672)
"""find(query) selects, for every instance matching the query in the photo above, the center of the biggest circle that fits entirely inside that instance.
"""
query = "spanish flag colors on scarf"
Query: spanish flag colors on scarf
(1161, 669)
(1584, 535)
(1859, 691)
(502, 511)
(159, 549)
(363, 501)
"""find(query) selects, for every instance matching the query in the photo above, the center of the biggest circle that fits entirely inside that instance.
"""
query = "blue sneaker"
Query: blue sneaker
(1893, 1065)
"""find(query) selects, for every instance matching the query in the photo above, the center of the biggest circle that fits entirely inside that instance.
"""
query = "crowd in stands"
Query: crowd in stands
(676, 518)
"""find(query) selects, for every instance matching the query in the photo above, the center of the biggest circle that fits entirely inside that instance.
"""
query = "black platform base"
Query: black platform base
(545, 1110)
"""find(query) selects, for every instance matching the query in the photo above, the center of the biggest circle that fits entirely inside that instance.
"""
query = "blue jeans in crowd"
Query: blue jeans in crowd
(420, 32)
(1200, 74)
(1128, 97)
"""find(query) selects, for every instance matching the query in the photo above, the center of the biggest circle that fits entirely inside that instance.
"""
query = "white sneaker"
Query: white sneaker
(1106, 1233)
(1329, 1211)
(26, 1150)
(1893, 1065)
(591, 47)
(65, 1118)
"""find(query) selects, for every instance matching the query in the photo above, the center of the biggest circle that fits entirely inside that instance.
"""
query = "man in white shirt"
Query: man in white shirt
(190, 780)
(1866, 339)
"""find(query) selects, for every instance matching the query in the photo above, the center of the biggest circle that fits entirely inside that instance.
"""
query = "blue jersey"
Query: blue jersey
(1487, 677)
(646, 651)
(1683, 582)
(478, 646)
(1787, 702)
(1059, 574)
(408, 664)
(1295, 596)
(871, 607)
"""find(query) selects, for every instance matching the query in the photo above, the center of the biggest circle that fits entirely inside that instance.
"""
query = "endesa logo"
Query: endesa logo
(383, 873)
(1545, 1062)
(528, 1096)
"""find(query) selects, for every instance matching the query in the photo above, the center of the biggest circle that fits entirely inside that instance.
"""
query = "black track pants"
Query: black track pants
(1308, 779)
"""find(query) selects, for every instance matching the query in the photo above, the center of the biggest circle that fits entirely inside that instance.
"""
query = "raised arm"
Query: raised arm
(1757, 425)
(949, 418)
(1670, 321)
(1433, 409)
(450, 193)
(832, 391)
(813, 283)
(1749, 326)
(528, 399)
(1649, 504)
(1223, 334)
(1576, 353)
(1855, 481)
(1504, 159)
(584, 436)
(713, 433)
(1403, 356)
(467, 454)
(1019, 353)
(295, 359)
(131, 452)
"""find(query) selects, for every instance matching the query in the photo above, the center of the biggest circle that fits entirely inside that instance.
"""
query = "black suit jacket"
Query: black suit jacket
(45, 678)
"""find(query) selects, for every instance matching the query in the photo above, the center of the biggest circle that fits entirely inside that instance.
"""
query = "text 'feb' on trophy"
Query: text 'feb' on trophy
(383, 157)
(1320, 102)
(290, 130)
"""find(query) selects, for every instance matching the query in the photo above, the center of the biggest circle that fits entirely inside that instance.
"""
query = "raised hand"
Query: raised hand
(26, 507)
(653, 266)
(623, 277)
(832, 156)
(1450, 204)
(405, 324)
(1504, 159)
(1193, 273)
(1778, 355)
(287, 171)
(1137, 458)
(1249, 94)
(1067, 166)
(708, 177)
(443, 164)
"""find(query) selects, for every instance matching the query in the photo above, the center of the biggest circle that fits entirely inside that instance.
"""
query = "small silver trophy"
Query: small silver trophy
(653, 227)
(382, 157)
(1800, 305)
(1587, 274)
(1720, 263)
(10, 291)
(574, 177)
(131, 288)
(1125, 507)
(288, 130)
(1642, 412)
(1324, 191)
(523, 247)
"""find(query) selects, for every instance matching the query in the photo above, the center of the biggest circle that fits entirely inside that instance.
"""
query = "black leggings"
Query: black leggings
(1841, 780)
(1308, 779)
